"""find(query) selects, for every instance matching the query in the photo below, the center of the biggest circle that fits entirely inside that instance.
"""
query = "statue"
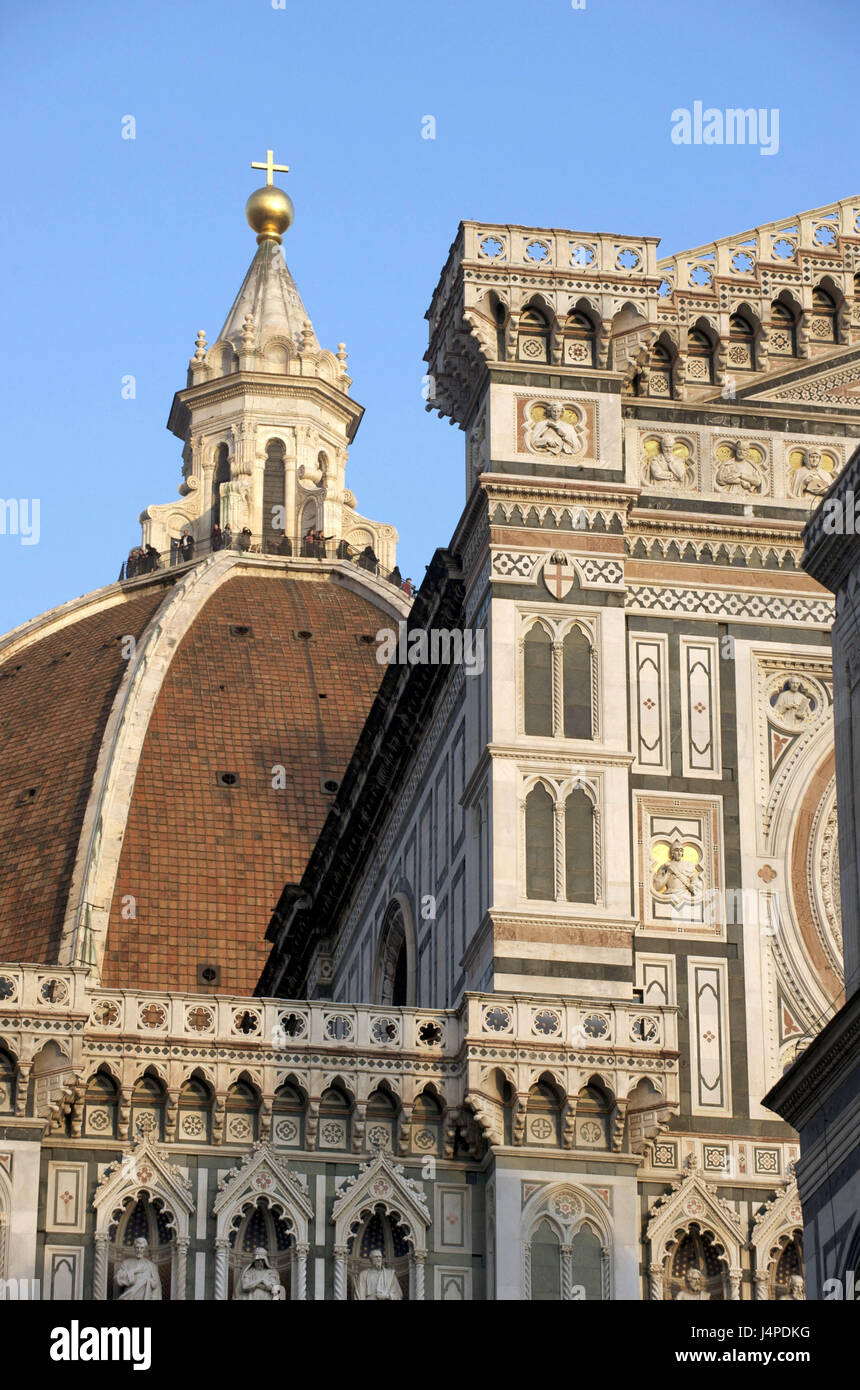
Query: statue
(234, 505)
(796, 1290)
(678, 879)
(665, 467)
(554, 434)
(378, 1281)
(138, 1276)
(695, 1292)
(258, 1282)
(792, 706)
(739, 472)
(810, 479)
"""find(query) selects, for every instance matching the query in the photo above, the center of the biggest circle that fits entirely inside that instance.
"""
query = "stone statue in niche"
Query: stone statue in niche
(663, 467)
(677, 880)
(811, 479)
(138, 1277)
(792, 705)
(258, 1282)
(694, 1291)
(739, 468)
(796, 1290)
(378, 1282)
(553, 434)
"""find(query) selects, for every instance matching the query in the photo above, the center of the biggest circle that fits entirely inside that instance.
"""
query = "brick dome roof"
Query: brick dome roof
(148, 826)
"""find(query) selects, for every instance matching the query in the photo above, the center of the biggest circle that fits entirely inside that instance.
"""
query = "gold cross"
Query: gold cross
(271, 167)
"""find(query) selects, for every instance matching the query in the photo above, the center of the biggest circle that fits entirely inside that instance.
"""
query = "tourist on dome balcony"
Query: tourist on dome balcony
(395, 577)
(186, 548)
(217, 538)
(227, 537)
(151, 560)
(309, 543)
(407, 588)
(243, 541)
(345, 551)
(368, 561)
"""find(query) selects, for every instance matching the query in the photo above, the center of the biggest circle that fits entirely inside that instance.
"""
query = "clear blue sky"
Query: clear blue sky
(115, 252)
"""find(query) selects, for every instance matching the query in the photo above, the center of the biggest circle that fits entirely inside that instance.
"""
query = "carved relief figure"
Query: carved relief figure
(234, 505)
(554, 434)
(793, 706)
(678, 880)
(695, 1291)
(138, 1276)
(811, 479)
(740, 468)
(664, 465)
(378, 1282)
(258, 1282)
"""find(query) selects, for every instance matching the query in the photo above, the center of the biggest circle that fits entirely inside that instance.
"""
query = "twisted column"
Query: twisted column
(100, 1267)
(301, 1290)
(221, 1254)
(566, 1274)
(181, 1265)
(605, 1273)
(734, 1284)
(760, 1285)
(655, 1282)
(418, 1265)
(340, 1273)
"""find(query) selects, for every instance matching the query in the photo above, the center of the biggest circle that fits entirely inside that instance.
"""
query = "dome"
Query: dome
(171, 748)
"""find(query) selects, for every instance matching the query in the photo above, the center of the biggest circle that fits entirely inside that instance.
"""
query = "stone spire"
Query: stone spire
(266, 418)
(269, 295)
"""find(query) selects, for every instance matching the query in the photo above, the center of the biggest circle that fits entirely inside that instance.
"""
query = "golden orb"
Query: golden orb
(269, 212)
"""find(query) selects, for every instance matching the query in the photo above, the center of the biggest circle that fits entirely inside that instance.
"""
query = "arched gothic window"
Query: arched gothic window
(660, 371)
(242, 1113)
(274, 516)
(538, 680)
(101, 1105)
(545, 1263)
(567, 838)
(593, 1107)
(334, 1122)
(195, 1111)
(787, 1267)
(823, 326)
(579, 340)
(7, 1081)
(147, 1107)
(381, 1119)
(782, 339)
(540, 844)
(288, 1117)
(391, 972)
(558, 678)
(579, 847)
(543, 1113)
(533, 336)
(741, 355)
(576, 684)
(587, 1262)
(700, 357)
(379, 1231)
(220, 474)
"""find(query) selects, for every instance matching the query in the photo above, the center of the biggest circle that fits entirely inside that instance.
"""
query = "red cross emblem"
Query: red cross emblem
(558, 577)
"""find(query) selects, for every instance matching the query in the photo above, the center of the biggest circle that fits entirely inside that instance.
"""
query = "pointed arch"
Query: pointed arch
(540, 843)
(395, 966)
(381, 1186)
(263, 1177)
(142, 1173)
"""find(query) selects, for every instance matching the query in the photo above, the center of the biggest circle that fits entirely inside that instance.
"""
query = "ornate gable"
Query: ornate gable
(692, 1201)
(380, 1182)
(143, 1172)
(263, 1174)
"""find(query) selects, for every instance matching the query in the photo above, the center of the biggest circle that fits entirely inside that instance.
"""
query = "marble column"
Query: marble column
(100, 1267)
(221, 1269)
